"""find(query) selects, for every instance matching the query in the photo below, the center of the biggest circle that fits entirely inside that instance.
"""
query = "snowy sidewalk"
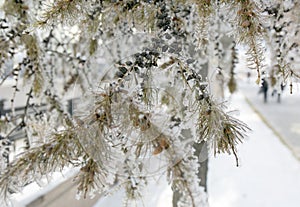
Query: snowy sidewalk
(283, 118)
(269, 175)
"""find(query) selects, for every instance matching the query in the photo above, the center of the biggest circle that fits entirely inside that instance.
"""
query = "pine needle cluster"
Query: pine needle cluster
(138, 68)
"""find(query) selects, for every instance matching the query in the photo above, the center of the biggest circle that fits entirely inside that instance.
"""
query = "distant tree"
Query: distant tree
(138, 68)
(283, 44)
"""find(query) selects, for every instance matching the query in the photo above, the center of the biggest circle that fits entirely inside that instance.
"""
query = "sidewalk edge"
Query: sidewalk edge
(280, 137)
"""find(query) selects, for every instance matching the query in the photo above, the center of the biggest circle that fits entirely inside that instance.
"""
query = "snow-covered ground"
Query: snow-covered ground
(34, 190)
(157, 194)
(269, 174)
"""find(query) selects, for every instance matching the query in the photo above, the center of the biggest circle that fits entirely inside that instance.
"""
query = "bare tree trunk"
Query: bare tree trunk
(202, 152)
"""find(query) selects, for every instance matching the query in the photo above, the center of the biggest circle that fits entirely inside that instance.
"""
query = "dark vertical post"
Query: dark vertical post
(2, 106)
(70, 107)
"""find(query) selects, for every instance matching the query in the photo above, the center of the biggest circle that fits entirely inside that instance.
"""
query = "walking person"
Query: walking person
(265, 87)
